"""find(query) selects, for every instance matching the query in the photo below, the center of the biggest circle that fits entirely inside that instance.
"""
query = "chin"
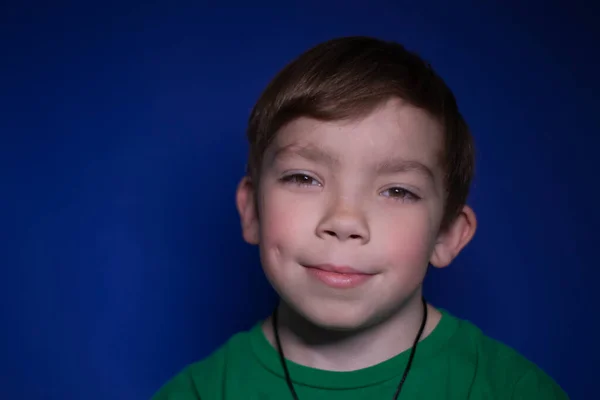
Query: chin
(332, 317)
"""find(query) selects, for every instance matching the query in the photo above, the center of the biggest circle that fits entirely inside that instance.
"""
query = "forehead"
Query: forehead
(393, 130)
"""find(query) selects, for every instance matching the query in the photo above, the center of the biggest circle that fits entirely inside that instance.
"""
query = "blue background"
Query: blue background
(122, 141)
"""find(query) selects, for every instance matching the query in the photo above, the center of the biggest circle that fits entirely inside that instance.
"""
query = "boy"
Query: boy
(358, 175)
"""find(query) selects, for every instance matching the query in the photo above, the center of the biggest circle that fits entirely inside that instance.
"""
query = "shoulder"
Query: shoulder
(206, 375)
(499, 367)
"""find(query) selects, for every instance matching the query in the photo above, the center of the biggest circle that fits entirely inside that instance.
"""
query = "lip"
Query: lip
(340, 277)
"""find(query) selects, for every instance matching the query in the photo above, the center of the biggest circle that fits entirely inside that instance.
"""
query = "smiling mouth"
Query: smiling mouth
(338, 276)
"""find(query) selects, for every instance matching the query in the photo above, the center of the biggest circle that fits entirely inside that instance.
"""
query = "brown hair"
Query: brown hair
(348, 78)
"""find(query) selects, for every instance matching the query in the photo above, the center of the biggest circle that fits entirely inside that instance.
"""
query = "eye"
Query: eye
(300, 180)
(401, 194)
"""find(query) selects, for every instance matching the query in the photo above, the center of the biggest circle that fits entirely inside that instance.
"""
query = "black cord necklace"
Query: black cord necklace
(406, 369)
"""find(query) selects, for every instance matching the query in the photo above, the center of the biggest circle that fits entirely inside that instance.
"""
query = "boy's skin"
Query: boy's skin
(324, 198)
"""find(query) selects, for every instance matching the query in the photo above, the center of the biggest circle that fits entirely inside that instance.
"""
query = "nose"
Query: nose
(344, 222)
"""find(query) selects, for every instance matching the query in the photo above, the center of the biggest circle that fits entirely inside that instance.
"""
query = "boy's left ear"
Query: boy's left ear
(451, 241)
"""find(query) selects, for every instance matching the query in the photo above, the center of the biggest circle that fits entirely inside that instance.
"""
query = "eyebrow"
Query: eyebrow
(400, 165)
(308, 152)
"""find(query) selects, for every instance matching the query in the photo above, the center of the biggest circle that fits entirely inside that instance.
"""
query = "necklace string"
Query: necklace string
(406, 369)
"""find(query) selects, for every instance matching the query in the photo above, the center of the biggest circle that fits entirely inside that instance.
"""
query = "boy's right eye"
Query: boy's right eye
(301, 180)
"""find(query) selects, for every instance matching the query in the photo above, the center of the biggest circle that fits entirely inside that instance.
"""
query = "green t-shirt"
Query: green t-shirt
(456, 361)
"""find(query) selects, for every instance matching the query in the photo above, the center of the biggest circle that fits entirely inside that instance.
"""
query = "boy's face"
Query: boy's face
(365, 195)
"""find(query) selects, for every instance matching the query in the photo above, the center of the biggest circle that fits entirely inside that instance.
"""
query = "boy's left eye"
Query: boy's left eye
(399, 193)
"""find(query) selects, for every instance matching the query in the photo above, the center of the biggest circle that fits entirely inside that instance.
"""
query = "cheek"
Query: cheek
(406, 238)
(284, 220)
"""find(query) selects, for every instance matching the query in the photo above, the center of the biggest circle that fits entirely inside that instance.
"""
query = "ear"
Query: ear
(451, 241)
(246, 206)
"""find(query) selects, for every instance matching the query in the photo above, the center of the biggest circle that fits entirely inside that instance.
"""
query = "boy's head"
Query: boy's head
(359, 159)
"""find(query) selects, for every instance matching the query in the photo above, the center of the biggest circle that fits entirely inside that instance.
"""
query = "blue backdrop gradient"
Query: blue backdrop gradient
(122, 140)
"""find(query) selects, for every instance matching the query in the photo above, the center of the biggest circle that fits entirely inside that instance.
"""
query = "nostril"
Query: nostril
(354, 236)
(330, 233)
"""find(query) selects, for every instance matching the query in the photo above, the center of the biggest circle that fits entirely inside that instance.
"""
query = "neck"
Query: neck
(310, 345)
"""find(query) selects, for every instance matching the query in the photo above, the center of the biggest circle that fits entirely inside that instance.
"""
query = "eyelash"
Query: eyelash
(305, 180)
(297, 179)
(403, 194)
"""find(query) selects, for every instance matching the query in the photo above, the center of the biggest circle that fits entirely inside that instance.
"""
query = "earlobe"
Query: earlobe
(247, 210)
(451, 242)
